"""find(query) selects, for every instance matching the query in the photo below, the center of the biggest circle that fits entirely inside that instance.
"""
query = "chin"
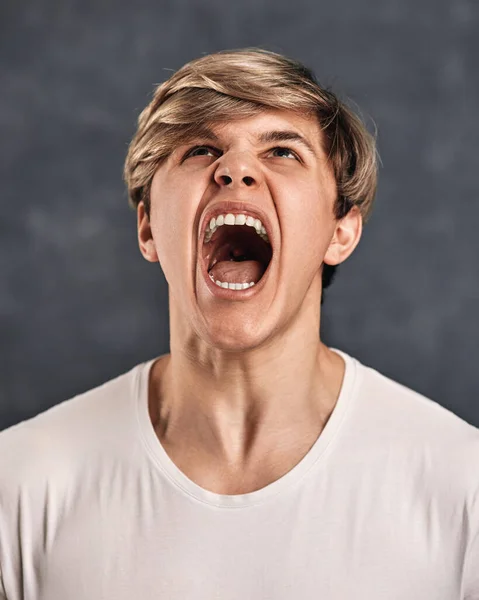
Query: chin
(236, 339)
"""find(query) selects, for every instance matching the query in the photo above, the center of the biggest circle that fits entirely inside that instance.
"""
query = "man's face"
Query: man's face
(272, 167)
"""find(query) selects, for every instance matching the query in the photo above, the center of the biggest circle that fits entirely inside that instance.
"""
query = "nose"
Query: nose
(237, 170)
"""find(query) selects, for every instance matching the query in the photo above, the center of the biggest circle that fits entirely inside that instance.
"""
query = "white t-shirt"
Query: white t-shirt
(385, 505)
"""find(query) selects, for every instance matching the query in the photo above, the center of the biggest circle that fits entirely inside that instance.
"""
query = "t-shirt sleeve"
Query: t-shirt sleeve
(3, 595)
(471, 563)
(471, 585)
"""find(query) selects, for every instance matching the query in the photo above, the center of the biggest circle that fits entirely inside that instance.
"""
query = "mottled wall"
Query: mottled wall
(79, 305)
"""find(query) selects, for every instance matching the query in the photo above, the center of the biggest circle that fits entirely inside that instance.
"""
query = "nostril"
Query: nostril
(226, 179)
(248, 180)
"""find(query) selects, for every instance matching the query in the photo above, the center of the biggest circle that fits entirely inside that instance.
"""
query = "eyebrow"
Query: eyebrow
(286, 136)
(283, 135)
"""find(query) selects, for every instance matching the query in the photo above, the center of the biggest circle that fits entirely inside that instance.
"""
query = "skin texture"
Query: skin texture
(248, 385)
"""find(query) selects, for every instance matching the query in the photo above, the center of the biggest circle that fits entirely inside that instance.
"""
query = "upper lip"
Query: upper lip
(235, 207)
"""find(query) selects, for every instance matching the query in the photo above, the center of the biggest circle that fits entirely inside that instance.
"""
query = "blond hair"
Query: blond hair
(236, 84)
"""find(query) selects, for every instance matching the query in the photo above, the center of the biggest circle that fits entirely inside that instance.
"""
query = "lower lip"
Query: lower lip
(228, 294)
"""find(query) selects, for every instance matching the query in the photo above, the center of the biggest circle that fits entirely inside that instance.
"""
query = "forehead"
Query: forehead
(269, 118)
(294, 127)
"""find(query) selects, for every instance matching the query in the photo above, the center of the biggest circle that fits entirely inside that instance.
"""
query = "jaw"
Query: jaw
(284, 299)
(239, 322)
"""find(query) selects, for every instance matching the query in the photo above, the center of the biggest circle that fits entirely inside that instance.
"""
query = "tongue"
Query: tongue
(230, 271)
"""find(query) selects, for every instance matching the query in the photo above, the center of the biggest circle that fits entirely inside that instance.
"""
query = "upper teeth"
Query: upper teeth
(231, 219)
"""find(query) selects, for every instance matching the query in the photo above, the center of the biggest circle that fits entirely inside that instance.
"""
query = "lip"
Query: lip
(235, 208)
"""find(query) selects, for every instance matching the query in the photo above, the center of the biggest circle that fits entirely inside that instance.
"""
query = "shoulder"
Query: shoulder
(407, 410)
(44, 446)
(57, 459)
(435, 453)
(409, 424)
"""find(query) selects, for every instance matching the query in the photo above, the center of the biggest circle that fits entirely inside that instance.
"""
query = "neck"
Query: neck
(273, 399)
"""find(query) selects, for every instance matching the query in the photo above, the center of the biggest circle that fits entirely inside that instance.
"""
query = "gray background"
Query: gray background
(78, 303)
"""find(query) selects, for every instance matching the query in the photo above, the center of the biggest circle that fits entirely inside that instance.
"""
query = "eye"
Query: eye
(283, 152)
(201, 151)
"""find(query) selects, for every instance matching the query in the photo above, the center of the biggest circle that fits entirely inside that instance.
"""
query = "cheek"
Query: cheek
(174, 207)
(165, 226)
(304, 212)
(307, 221)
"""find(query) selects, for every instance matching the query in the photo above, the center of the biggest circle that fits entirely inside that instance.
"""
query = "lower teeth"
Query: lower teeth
(232, 286)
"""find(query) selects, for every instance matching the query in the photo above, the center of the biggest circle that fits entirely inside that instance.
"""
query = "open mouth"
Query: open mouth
(236, 254)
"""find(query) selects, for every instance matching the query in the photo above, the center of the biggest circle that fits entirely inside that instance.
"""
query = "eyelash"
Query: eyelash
(189, 153)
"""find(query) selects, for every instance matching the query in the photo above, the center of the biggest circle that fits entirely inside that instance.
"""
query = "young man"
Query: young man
(252, 461)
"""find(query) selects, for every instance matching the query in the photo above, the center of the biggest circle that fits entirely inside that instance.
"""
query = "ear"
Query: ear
(345, 237)
(145, 238)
